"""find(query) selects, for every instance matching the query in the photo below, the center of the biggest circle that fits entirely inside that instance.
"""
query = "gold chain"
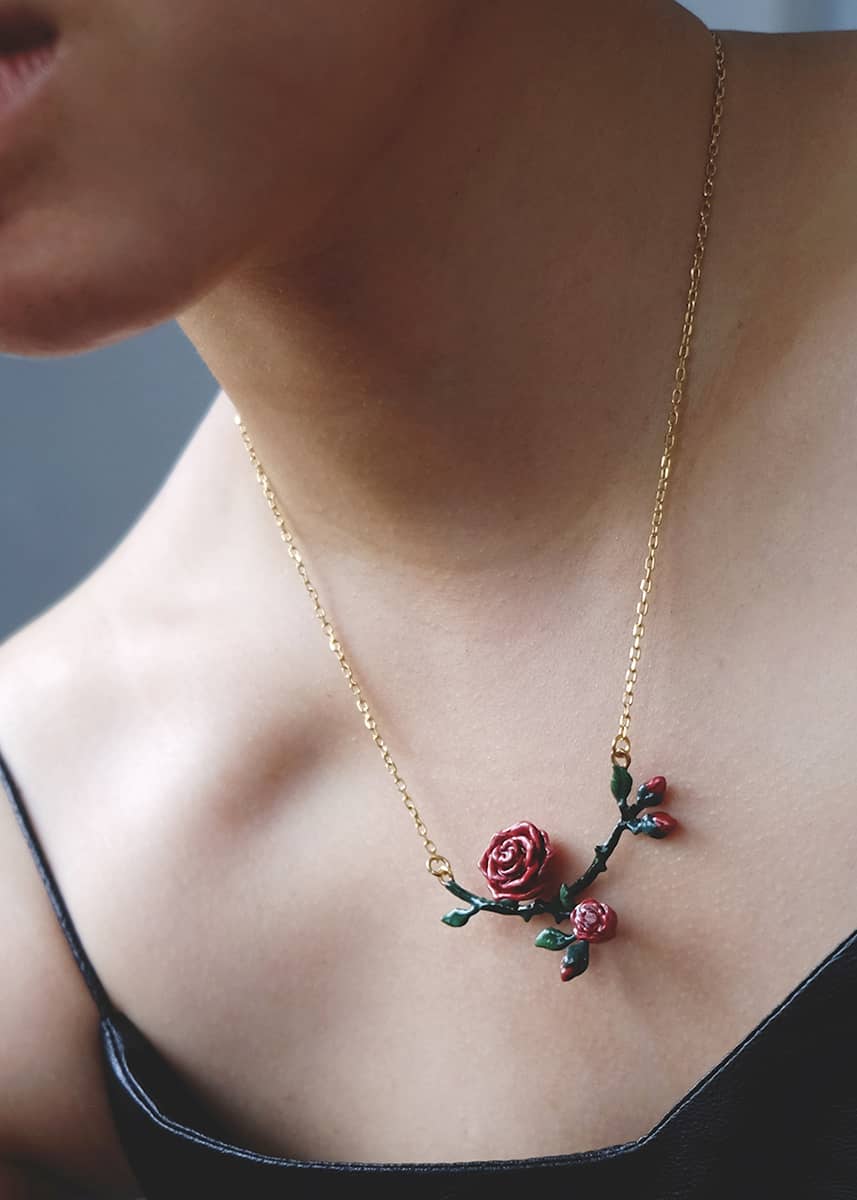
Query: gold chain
(436, 863)
(621, 749)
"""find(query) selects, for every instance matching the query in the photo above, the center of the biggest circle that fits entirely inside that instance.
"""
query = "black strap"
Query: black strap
(105, 1007)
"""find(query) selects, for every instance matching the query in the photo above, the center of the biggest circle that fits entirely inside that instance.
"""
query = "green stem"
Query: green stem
(599, 863)
(509, 908)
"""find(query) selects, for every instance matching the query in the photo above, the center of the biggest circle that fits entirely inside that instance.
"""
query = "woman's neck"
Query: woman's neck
(471, 353)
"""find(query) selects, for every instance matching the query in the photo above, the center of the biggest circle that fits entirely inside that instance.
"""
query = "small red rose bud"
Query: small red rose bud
(660, 824)
(656, 784)
(593, 920)
(566, 972)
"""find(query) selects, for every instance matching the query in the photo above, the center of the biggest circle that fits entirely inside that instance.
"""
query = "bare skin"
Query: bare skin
(471, 462)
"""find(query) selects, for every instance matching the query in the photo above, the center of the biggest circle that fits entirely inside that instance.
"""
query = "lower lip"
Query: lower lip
(21, 76)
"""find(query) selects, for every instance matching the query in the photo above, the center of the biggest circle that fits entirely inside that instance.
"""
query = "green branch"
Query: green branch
(561, 905)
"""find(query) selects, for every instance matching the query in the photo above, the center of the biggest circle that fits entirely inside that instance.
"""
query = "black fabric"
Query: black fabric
(776, 1117)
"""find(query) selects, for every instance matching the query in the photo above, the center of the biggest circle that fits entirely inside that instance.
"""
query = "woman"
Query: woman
(437, 257)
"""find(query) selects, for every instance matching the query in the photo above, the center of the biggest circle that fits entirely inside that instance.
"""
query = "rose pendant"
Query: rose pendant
(515, 866)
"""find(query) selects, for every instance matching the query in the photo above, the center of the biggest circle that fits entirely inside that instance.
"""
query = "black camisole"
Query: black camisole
(776, 1117)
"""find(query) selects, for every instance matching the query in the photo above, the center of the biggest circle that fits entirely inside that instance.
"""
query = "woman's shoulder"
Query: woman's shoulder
(51, 1071)
(820, 79)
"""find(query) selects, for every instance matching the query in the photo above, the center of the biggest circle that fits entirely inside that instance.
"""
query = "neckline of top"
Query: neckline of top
(116, 1029)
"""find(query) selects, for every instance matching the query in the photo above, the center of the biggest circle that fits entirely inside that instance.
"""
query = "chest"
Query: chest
(296, 966)
(308, 988)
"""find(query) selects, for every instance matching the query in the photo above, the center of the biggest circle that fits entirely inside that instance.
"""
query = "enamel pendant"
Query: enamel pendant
(515, 866)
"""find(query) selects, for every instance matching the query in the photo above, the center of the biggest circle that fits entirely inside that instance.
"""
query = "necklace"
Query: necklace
(516, 861)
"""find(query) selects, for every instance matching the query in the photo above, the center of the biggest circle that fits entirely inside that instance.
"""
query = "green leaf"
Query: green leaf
(458, 917)
(620, 784)
(577, 956)
(553, 939)
(565, 897)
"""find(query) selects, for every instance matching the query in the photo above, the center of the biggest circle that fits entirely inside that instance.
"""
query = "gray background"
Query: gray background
(88, 439)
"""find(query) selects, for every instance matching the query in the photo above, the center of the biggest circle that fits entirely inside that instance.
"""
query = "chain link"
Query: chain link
(436, 863)
(620, 752)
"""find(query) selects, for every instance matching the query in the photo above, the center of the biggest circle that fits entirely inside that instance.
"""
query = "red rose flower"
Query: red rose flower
(515, 861)
(593, 920)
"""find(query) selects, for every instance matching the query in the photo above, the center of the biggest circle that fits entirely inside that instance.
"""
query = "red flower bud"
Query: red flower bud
(593, 920)
(662, 822)
(566, 971)
(656, 784)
